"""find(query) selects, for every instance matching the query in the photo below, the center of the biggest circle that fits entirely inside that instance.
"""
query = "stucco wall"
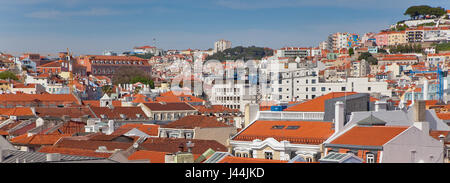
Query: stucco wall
(399, 149)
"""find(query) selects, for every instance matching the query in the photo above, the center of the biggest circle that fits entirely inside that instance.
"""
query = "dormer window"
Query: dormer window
(138, 115)
(103, 116)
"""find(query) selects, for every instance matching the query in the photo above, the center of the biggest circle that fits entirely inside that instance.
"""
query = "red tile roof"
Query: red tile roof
(114, 113)
(169, 106)
(96, 103)
(149, 129)
(72, 112)
(308, 132)
(318, 104)
(66, 98)
(38, 139)
(232, 159)
(74, 151)
(193, 121)
(172, 144)
(18, 111)
(153, 156)
(369, 136)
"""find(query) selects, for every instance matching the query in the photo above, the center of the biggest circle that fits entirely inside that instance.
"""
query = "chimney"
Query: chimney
(1, 155)
(190, 145)
(181, 147)
(339, 116)
(110, 127)
(425, 90)
(250, 113)
(419, 116)
(53, 157)
(380, 106)
(441, 138)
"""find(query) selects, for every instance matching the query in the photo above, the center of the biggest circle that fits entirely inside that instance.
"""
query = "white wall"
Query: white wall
(398, 150)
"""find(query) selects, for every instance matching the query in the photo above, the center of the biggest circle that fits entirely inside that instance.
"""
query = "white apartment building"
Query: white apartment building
(338, 41)
(221, 45)
(294, 52)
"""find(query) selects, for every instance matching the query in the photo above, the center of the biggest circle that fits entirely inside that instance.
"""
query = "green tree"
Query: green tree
(364, 56)
(126, 75)
(107, 89)
(372, 61)
(351, 51)
(8, 75)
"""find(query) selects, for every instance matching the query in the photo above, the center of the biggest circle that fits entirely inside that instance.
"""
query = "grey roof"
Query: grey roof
(5, 144)
(14, 156)
(371, 120)
(340, 158)
(216, 157)
(399, 118)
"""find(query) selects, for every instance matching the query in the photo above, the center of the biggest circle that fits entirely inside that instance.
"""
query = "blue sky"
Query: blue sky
(92, 26)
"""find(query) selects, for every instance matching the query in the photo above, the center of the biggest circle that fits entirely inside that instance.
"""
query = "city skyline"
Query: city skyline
(48, 26)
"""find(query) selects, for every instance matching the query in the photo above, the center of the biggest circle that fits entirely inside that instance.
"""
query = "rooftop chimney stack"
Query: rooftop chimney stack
(425, 90)
(110, 127)
(339, 116)
(380, 106)
(1, 155)
(419, 116)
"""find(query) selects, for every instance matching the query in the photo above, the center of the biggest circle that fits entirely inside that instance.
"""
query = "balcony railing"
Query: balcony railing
(287, 115)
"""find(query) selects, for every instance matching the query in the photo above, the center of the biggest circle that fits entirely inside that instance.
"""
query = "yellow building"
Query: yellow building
(396, 38)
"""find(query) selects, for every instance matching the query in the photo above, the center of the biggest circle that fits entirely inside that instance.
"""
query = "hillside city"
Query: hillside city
(377, 97)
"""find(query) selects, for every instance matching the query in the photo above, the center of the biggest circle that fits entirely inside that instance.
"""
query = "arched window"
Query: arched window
(238, 154)
(245, 155)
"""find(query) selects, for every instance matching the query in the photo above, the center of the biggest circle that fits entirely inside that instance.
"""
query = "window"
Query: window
(313, 81)
(369, 88)
(343, 89)
(306, 81)
(313, 89)
(245, 155)
(280, 89)
(278, 127)
(370, 158)
(238, 154)
(306, 88)
(292, 127)
(268, 155)
(323, 89)
(313, 96)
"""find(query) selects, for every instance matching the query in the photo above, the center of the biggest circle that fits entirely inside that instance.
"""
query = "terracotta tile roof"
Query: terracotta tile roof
(70, 127)
(51, 64)
(23, 129)
(193, 121)
(169, 106)
(124, 58)
(172, 144)
(72, 112)
(91, 144)
(318, 104)
(4, 129)
(369, 136)
(443, 116)
(435, 134)
(18, 111)
(38, 139)
(114, 113)
(96, 103)
(153, 156)
(149, 129)
(74, 151)
(232, 159)
(22, 85)
(306, 132)
(69, 98)
(214, 109)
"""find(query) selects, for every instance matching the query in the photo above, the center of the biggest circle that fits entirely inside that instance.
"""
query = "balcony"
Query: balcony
(292, 116)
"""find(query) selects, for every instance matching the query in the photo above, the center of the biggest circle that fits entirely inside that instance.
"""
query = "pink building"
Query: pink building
(381, 39)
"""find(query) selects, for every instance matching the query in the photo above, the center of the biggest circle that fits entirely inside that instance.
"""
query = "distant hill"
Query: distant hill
(247, 53)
